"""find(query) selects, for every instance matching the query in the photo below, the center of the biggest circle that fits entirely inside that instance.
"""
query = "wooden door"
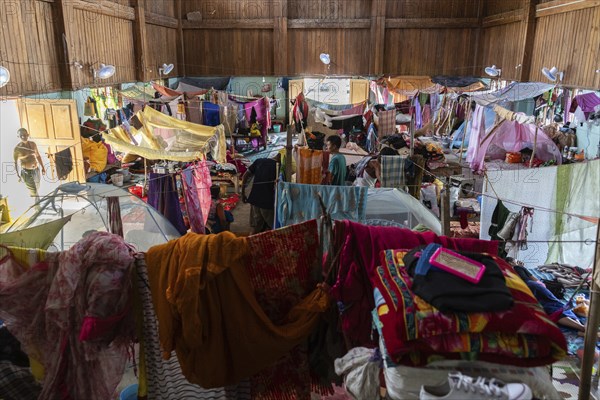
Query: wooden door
(296, 87)
(53, 125)
(359, 90)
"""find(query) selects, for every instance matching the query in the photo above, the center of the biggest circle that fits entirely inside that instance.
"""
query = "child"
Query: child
(217, 220)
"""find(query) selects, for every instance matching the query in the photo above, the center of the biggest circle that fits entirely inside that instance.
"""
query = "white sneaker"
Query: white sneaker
(462, 387)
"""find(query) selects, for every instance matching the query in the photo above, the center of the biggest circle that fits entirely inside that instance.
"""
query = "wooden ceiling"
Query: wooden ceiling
(51, 45)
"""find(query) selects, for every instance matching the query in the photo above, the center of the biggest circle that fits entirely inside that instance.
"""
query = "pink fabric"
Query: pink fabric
(197, 182)
(360, 249)
(357, 109)
(49, 306)
(475, 155)
(110, 157)
(261, 114)
(512, 136)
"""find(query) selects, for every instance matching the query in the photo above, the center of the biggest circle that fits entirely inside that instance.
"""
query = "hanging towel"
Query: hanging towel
(210, 114)
(310, 166)
(387, 123)
(163, 196)
(297, 203)
(63, 160)
(193, 280)
(393, 174)
(196, 183)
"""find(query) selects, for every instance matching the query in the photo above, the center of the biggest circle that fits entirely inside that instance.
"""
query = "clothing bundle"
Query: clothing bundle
(415, 330)
(570, 276)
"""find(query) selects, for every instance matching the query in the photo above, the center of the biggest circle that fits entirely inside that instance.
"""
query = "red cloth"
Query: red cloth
(360, 248)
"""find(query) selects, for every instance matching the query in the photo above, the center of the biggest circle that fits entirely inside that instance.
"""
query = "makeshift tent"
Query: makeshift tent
(513, 92)
(166, 138)
(507, 136)
(78, 209)
(397, 206)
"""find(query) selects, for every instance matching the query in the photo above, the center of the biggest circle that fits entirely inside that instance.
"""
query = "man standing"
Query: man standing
(27, 153)
(337, 161)
(262, 195)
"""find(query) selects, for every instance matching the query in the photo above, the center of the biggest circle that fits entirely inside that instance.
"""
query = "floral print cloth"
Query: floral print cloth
(72, 313)
(196, 183)
(415, 332)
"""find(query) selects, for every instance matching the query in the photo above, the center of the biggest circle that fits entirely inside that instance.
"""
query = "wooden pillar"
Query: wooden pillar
(528, 25)
(445, 211)
(591, 329)
(180, 45)
(280, 38)
(63, 10)
(377, 37)
(478, 57)
(140, 43)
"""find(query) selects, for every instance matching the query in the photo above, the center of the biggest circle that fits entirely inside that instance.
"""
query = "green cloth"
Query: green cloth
(337, 167)
(498, 220)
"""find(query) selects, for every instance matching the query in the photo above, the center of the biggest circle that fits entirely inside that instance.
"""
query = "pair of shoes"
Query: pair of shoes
(462, 387)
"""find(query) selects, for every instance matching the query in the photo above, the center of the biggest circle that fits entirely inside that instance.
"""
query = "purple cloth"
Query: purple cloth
(587, 102)
(162, 195)
(418, 113)
(261, 114)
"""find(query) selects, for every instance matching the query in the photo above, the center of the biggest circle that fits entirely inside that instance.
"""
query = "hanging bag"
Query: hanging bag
(89, 108)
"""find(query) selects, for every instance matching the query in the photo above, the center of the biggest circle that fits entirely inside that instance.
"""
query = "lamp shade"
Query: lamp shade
(4, 76)
(106, 71)
(324, 57)
(167, 69)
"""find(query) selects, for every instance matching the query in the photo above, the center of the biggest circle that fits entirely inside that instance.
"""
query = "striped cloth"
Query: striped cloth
(392, 172)
(387, 123)
(164, 378)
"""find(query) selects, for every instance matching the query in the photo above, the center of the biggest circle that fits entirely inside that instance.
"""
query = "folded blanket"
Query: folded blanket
(414, 331)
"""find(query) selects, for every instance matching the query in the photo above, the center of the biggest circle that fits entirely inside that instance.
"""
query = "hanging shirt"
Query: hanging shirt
(337, 167)
(262, 194)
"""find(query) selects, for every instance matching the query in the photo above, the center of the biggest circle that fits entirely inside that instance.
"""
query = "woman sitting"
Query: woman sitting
(217, 220)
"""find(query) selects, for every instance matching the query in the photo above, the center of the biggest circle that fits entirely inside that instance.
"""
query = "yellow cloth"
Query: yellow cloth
(37, 237)
(310, 166)
(190, 141)
(97, 153)
(208, 314)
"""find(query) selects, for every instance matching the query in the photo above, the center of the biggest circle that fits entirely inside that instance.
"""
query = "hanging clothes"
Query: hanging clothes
(114, 215)
(202, 275)
(63, 161)
(297, 203)
(197, 182)
(210, 114)
(475, 155)
(300, 112)
(387, 123)
(393, 171)
(164, 378)
(96, 153)
(311, 164)
(71, 312)
(163, 196)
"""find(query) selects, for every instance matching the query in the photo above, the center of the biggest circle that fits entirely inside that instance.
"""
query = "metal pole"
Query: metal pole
(591, 329)
(288, 154)
(446, 208)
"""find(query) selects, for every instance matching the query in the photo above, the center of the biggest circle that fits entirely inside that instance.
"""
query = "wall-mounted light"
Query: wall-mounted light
(553, 74)
(165, 69)
(4, 76)
(518, 66)
(493, 71)
(104, 72)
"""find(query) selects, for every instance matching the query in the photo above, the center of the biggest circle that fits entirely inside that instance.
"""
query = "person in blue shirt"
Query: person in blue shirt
(337, 161)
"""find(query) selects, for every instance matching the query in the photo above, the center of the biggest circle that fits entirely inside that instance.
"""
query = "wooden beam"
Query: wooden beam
(229, 24)
(329, 24)
(181, 44)
(140, 43)
(280, 38)
(478, 56)
(529, 11)
(378, 11)
(64, 13)
(161, 20)
(105, 7)
(503, 18)
(431, 23)
(563, 6)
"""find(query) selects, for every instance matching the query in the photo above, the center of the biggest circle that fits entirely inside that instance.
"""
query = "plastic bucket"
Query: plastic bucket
(117, 179)
(129, 393)
(277, 128)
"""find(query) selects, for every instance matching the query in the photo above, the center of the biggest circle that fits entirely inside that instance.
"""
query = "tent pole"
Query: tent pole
(412, 134)
(591, 328)
(534, 145)
(288, 155)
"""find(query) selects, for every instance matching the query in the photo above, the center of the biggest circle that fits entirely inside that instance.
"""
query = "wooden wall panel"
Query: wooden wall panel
(429, 51)
(125, 2)
(502, 46)
(27, 47)
(329, 9)
(432, 9)
(491, 7)
(571, 42)
(229, 9)
(162, 7)
(223, 52)
(162, 49)
(347, 48)
(97, 38)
